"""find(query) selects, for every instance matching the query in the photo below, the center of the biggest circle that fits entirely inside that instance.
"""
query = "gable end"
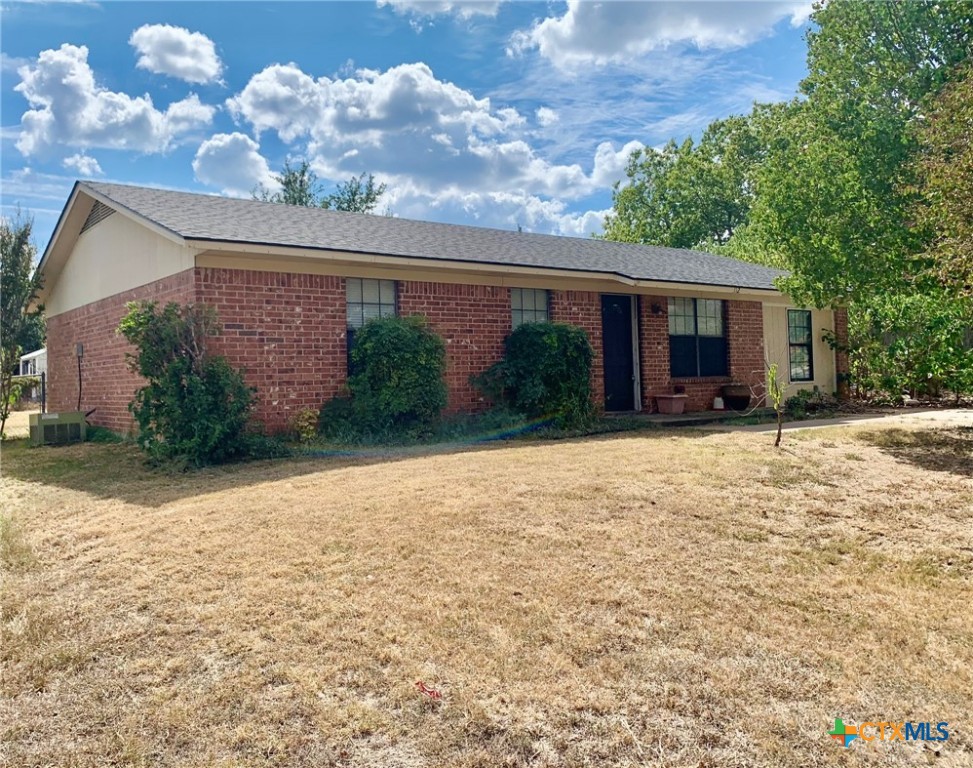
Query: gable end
(99, 212)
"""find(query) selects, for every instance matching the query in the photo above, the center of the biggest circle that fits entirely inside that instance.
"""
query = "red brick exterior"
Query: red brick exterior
(745, 339)
(745, 331)
(654, 349)
(288, 332)
(107, 385)
(473, 320)
(841, 364)
(583, 309)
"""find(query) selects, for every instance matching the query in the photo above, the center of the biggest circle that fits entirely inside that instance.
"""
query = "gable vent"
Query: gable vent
(98, 213)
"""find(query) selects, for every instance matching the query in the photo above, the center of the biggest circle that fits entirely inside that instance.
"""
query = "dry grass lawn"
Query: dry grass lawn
(659, 598)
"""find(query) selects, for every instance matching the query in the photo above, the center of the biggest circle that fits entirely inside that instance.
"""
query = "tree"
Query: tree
(945, 178)
(688, 195)
(300, 186)
(358, 194)
(19, 285)
(33, 335)
(834, 194)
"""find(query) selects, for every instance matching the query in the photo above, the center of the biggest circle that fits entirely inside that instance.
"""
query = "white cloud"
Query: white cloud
(83, 164)
(610, 164)
(11, 63)
(465, 9)
(282, 98)
(438, 146)
(613, 32)
(177, 52)
(546, 116)
(69, 108)
(233, 163)
(189, 114)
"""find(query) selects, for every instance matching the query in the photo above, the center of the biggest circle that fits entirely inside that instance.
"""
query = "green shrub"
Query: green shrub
(336, 420)
(194, 406)
(398, 381)
(807, 403)
(305, 424)
(545, 372)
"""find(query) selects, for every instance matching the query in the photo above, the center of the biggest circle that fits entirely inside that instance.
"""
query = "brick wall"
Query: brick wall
(583, 309)
(744, 327)
(745, 324)
(473, 320)
(654, 349)
(287, 331)
(107, 385)
(841, 364)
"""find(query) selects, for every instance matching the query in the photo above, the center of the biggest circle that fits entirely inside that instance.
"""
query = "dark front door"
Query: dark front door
(616, 339)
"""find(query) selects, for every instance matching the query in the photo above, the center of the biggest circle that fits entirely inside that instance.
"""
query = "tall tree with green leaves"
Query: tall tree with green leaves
(19, 285)
(688, 195)
(834, 194)
(945, 182)
(299, 185)
(359, 194)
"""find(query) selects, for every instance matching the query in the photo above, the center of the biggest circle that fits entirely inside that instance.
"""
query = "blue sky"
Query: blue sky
(495, 113)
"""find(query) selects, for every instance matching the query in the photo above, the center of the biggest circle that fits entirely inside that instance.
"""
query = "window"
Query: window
(528, 305)
(799, 343)
(697, 341)
(367, 299)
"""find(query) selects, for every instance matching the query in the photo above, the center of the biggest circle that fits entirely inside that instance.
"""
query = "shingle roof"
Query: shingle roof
(207, 217)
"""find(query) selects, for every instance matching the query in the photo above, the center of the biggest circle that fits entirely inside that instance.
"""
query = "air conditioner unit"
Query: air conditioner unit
(54, 428)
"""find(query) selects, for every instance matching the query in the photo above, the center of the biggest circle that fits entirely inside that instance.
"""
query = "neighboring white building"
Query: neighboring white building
(34, 363)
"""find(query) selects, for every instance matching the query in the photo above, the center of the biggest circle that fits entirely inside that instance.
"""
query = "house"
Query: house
(292, 284)
(33, 363)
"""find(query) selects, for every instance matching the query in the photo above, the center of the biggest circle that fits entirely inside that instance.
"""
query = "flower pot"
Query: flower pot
(671, 403)
(736, 396)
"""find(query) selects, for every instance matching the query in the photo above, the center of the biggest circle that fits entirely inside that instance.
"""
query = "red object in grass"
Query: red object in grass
(424, 689)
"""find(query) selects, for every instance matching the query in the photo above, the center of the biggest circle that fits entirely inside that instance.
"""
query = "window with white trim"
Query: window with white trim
(528, 305)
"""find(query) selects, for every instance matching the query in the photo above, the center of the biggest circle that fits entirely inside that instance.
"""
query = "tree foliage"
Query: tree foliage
(834, 195)
(945, 178)
(921, 344)
(688, 195)
(299, 185)
(359, 195)
(545, 372)
(19, 286)
(194, 406)
(397, 384)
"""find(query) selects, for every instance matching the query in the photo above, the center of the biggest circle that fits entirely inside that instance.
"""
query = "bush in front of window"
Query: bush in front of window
(398, 384)
(545, 372)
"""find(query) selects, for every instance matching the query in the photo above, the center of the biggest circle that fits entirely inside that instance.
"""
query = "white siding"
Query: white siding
(115, 255)
(775, 340)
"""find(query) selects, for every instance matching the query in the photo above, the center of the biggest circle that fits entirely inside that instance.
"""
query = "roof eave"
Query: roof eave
(212, 245)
